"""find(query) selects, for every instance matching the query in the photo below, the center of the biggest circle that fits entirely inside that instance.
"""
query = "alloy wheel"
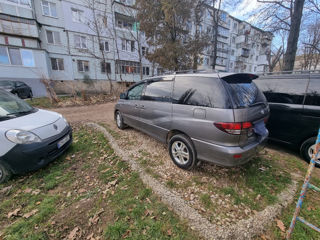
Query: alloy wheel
(180, 152)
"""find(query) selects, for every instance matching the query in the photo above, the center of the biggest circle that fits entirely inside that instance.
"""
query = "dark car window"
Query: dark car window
(245, 94)
(313, 93)
(6, 83)
(283, 90)
(135, 92)
(200, 91)
(158, 91)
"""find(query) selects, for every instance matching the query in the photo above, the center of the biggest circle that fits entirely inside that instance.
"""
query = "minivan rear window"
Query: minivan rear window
(200, 91)
(245, 94)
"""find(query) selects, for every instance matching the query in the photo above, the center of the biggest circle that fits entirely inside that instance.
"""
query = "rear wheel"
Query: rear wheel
(30, 94)
(307, 148)
(5, 173)
(182, 151)
(119, 120)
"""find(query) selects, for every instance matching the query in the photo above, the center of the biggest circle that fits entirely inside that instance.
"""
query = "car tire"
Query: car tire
(30, 94)
(182, 151)
(307, 148)
(5, 173)
(119, 120)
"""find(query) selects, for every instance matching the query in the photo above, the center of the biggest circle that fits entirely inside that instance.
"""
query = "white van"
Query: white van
(30, 138)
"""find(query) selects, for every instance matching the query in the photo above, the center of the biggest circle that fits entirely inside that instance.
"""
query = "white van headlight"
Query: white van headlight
(22, 137)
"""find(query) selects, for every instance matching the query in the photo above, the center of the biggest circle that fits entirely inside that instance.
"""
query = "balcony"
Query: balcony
(18, 28)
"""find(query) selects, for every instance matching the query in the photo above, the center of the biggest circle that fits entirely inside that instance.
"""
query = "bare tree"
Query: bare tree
(311, 47)
(215, 14)
(284, 15)
(273, 57)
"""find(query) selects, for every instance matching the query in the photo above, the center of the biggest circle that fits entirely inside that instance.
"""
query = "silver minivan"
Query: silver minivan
(214, 117)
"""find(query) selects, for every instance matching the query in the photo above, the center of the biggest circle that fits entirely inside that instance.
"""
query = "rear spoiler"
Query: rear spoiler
(240, 78)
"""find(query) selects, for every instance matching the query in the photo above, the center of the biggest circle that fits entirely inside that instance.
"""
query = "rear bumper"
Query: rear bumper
(224, 155)
(29, 157)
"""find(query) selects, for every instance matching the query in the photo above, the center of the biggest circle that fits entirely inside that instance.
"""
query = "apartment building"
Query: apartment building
(21, 55)
(241, 47)
(74, 40)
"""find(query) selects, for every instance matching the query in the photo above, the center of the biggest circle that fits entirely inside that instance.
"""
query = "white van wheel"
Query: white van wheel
(5, 173)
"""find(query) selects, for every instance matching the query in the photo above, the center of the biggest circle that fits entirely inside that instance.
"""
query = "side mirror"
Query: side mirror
(123, 95)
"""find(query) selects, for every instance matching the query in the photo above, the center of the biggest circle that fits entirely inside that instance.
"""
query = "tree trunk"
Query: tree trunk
(292, 42)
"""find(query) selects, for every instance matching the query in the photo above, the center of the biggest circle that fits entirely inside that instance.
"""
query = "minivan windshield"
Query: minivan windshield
(12, 106)
(245, 94)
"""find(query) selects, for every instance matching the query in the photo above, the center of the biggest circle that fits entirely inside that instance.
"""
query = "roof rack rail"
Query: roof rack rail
(289, 72)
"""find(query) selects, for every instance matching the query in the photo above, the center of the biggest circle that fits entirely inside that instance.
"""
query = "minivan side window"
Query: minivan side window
(135, 92)
(287, 91)
(158, 91)
(313, 93)
(200, 91)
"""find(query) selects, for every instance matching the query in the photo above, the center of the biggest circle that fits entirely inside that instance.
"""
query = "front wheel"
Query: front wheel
(5, 173)
(182, 151)
(307, 148)
(119, 120)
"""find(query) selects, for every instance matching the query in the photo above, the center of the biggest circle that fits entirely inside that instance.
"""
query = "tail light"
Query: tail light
(234, 128)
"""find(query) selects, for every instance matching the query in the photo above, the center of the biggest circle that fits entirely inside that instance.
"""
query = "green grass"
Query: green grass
(206, 200)
(135, 211)
(141, 216)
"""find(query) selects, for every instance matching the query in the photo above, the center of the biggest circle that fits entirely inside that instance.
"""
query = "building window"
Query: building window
(257, 58)
(127, 45)
(232, 52)
(233, 40)
(57, 64)
(77, 15)
(53, 37)
(80, 41)
(231, 64)
(27, 58)
(145, 71)
(235, 26)
(104, 46)
(16, 56)
(49, 9)
(22, 2)
(83, 66)
(4, 57)
(127, 67)
(223, 31)
(105, 67)
(145, 51)
(223, 16)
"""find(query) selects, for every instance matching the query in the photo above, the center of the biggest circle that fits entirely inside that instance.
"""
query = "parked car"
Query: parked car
(294, 101)
(30, 138)
(20, 89)
(212, 117)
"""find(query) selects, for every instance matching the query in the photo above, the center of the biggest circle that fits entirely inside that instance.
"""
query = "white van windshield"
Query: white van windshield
(12, 106)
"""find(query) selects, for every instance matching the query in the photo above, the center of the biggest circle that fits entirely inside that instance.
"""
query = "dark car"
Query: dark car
(294, 101)
(20, 89)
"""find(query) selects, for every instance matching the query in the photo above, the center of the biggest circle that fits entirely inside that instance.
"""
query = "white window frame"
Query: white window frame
(20, 4)
(21, 58)
(54, 39)
(83, 67)
(103, 43)
(81, 41)
(79, 15)
(57, 64)
(50, 11)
